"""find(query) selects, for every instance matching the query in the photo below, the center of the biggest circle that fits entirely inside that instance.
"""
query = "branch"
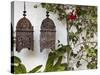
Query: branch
(84, 59)
(83, 43)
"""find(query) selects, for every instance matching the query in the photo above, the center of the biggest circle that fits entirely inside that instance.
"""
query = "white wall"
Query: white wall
(36, 15)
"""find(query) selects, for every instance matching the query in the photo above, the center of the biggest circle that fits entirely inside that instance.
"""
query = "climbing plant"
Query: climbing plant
(81, 28)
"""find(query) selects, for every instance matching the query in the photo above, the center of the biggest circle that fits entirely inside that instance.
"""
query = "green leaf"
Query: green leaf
(68, 48)
(20, 69)
(43, 5)
(15, 59)
(57, 64)
(61, 51)
(73, 54)
(59, 60)
(73, 36)
(60, 67)
(50, 61)
(91, 52)
(92, 65)
(58, 41)
(78, 64)
(36, 69)
(35, 6)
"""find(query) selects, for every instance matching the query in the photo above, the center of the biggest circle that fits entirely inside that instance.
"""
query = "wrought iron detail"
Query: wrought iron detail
(24, 33)
(48, 34)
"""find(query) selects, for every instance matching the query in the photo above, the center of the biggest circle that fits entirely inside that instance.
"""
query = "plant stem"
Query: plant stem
(83, 43)
(68, 54)
(67, 29)
(85, 59)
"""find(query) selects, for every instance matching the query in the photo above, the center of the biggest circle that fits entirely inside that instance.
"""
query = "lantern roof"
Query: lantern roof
(24, 23)
(47, 23)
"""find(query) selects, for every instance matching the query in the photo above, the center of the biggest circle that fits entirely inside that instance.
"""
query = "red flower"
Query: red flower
(72, 16)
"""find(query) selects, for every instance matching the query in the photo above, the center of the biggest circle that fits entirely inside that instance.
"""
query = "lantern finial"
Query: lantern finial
(47, 14)
(24, 12)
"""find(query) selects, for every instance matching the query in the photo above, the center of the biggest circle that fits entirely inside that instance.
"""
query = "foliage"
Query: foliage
(57, 55)
(83, 19)
(54, 61)
(56, 8)
(15, 59)
(20, 68)
(35, 69)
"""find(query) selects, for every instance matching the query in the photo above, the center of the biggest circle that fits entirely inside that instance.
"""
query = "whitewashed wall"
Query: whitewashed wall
(36, 15)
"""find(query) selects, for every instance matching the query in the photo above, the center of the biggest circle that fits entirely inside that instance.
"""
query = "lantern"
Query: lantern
(48, 34)
(24, 33)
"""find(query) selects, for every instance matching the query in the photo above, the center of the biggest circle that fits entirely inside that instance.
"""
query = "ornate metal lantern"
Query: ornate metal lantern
(24, 33)
(48, 34)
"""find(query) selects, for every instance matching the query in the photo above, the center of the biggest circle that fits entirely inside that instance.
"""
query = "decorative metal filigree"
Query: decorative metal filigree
(48, 34)
(24, 33)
